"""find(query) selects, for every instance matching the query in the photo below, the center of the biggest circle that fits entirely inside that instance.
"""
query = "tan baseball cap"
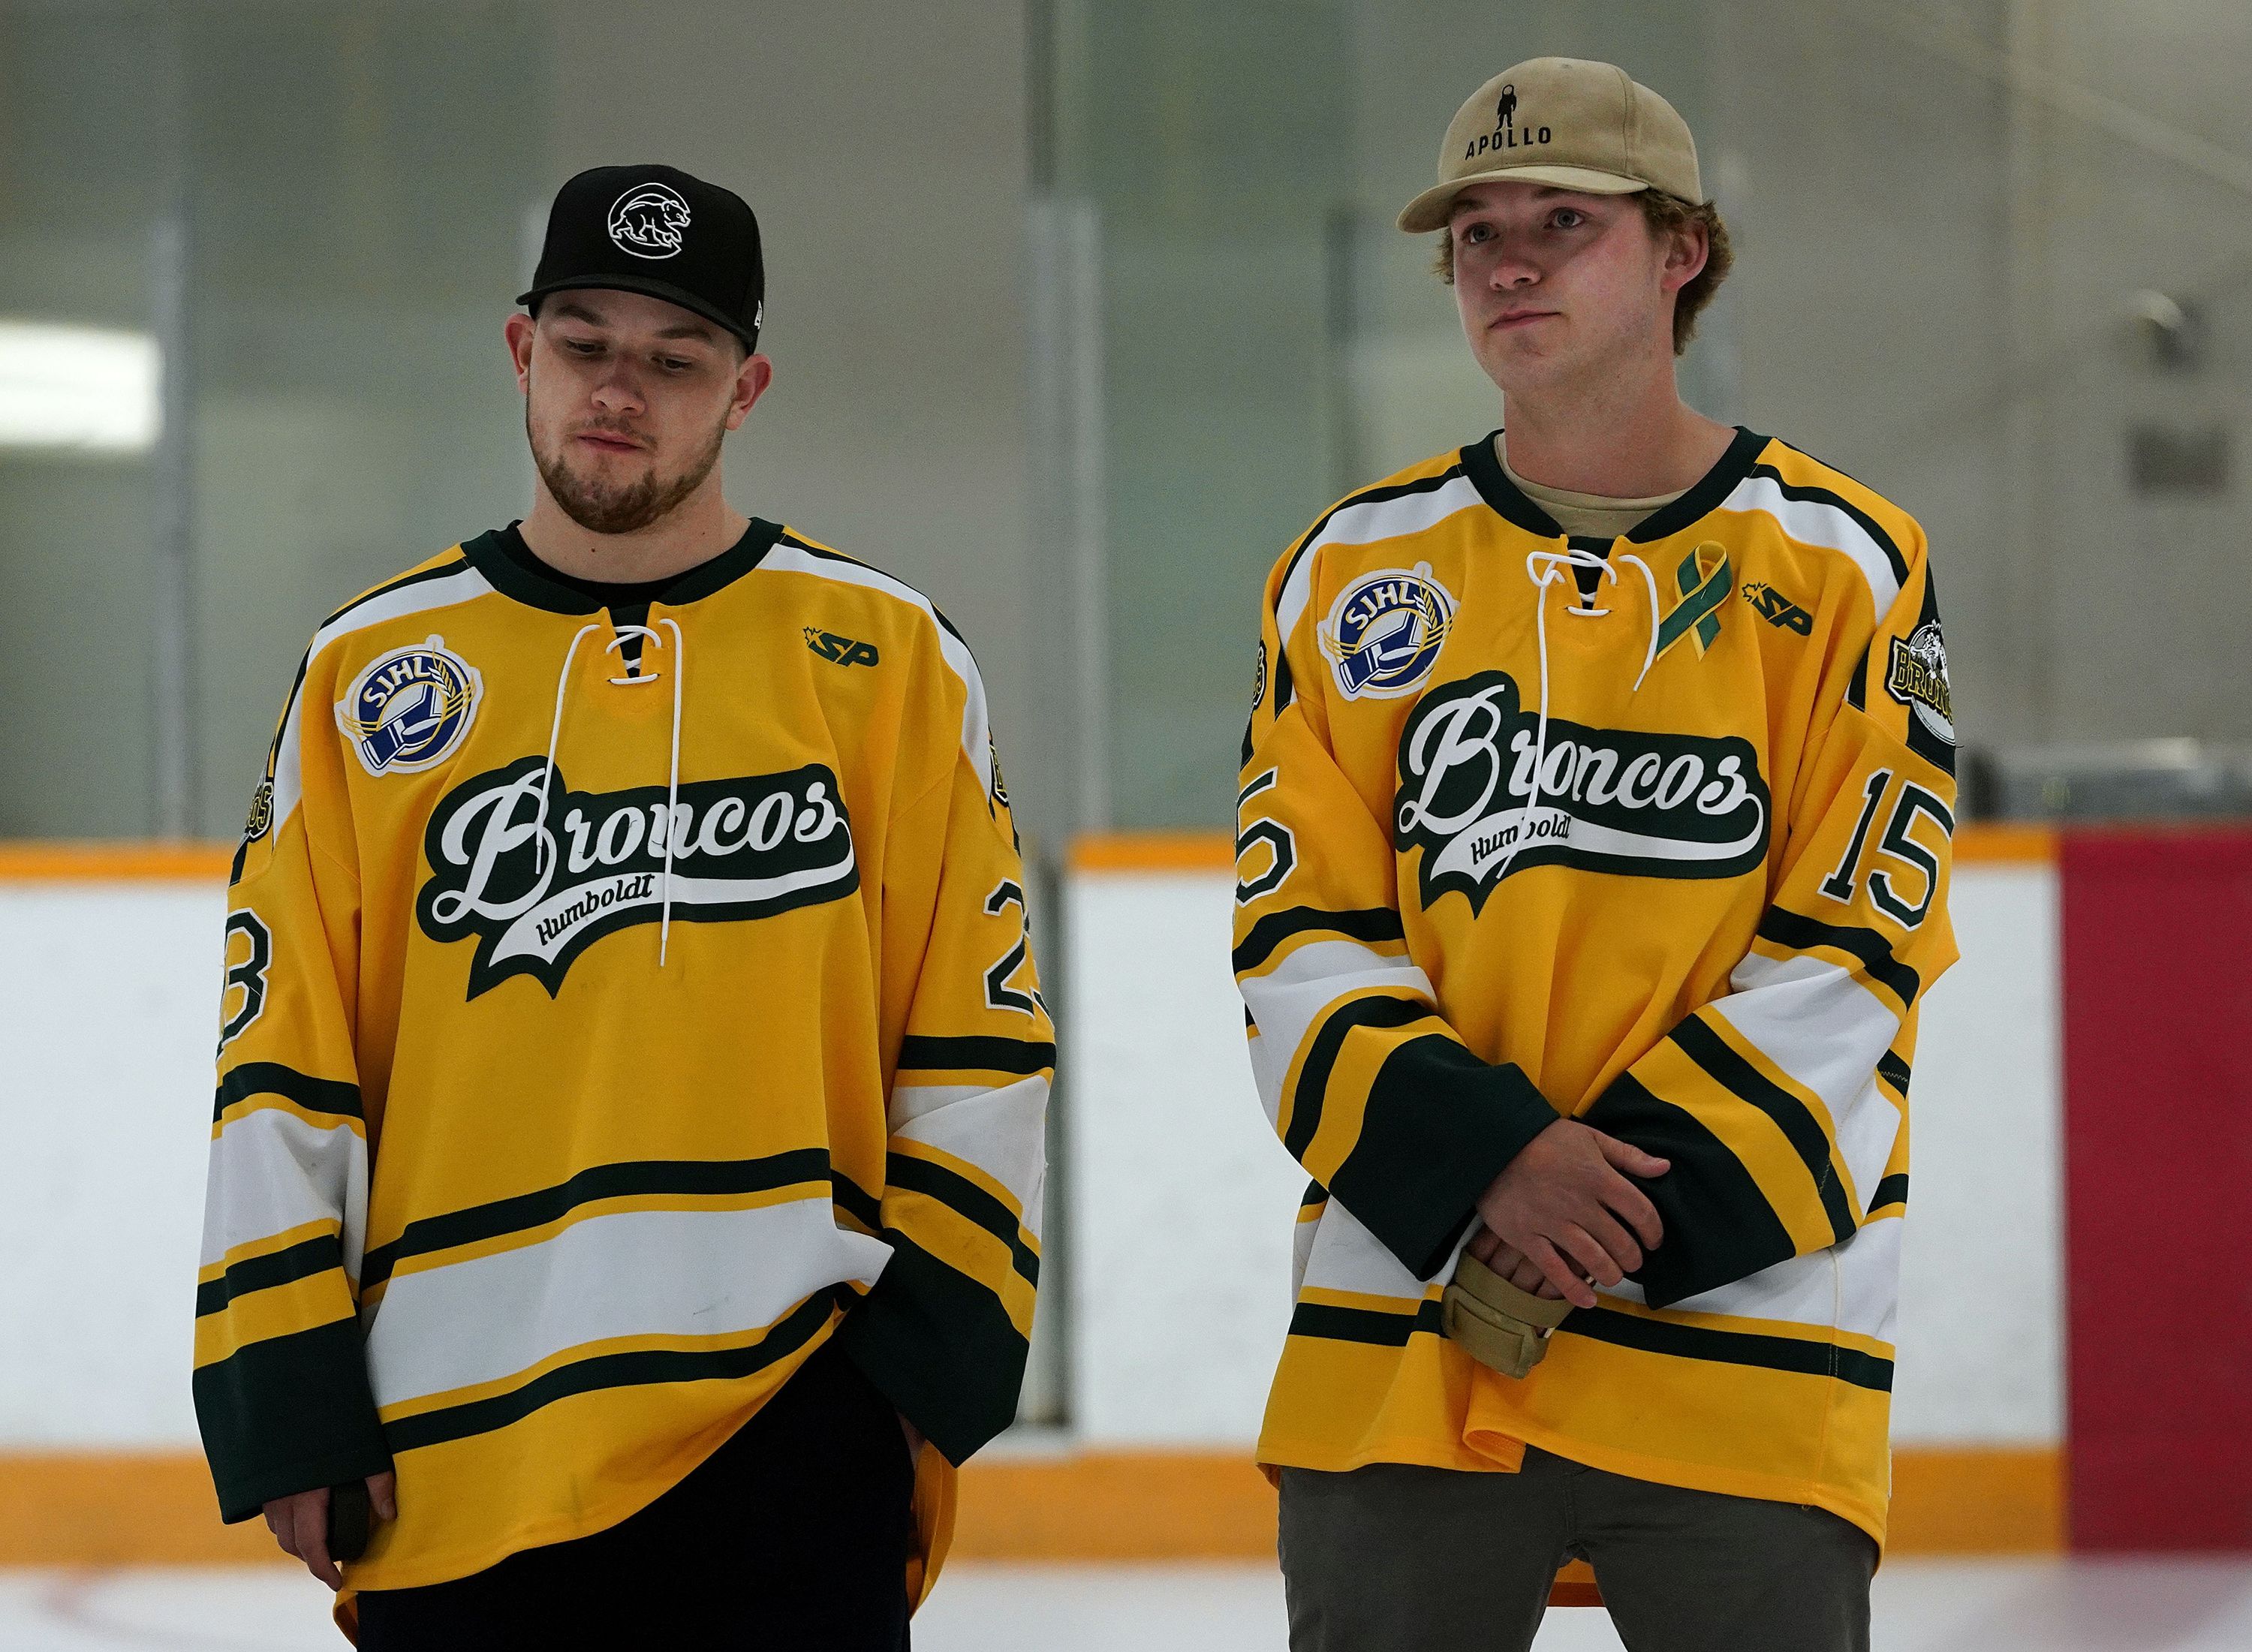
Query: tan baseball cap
(1567, 123)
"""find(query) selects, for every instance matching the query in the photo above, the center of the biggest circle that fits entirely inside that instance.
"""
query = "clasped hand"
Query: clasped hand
(1562, 1218)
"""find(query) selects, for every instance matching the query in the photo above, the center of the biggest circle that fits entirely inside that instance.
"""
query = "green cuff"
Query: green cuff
(1440, 1125)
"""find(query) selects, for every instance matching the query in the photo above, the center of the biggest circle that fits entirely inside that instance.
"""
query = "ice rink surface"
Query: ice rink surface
(2154, 1605)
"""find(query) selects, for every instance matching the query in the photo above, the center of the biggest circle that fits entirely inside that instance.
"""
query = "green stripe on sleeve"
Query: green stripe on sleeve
(1307, 1094)
(1027, 1056)
(301, 1261)
(1370, 924)
(1800, 1127)
(970, 1202)
(271, 1077)
(1873, 952)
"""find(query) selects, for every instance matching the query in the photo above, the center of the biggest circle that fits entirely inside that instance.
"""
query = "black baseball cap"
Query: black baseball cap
(656, 230)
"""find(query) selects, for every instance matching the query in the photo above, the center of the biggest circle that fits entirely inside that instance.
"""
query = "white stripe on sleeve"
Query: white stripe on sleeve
(1854, 1285)
(1826, 1031)
(1003, 1132)
(271, 1171)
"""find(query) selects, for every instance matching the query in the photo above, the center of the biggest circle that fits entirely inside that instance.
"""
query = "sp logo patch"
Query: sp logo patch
(842, 650)
(1385, 630)
(1918, 679)
(648, 220)
(409, 710)
(1777, 609)
(536, 890)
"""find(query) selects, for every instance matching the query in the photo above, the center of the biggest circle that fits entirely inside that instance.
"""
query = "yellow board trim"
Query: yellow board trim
(35, 862)
(2004, 841)
(2001, 842)
(83, 1508)
(1184, 851)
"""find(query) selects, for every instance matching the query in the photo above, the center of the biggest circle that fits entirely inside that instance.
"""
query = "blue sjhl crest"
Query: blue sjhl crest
(1385, 630)
(408, 710)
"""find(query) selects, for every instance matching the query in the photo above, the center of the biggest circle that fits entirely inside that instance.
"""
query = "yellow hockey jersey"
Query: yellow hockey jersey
(620, 1002)
(1650, 832)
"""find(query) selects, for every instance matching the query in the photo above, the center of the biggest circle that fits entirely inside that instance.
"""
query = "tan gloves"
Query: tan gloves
(1496, 1324)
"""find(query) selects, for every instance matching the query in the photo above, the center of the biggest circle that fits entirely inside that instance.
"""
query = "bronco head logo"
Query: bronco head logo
(648, 220)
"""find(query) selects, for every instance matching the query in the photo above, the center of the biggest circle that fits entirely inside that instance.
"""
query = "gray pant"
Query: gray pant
(1394, 1558)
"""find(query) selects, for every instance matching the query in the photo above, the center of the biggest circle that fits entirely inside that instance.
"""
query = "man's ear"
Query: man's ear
(751, 381)
(1688, 247)
(519, 330)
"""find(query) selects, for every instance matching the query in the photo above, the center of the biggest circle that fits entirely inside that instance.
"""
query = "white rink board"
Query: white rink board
(1182, 1201)
(108, 1011)
(1981, 1274)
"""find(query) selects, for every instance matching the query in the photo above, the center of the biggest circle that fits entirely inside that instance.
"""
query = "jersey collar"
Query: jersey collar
(539, 589)
(1514, 505)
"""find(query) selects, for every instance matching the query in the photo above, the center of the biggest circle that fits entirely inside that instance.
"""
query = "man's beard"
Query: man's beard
(624, 508)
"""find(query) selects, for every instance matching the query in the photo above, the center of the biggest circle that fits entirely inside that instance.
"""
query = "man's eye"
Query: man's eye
(1568, 217)
(674, 364)
(1478, 234)
(582, 347)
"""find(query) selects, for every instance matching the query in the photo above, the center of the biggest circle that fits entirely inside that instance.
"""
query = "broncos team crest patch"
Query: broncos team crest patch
(410, 709)
(1918, 679)
(1385, 630)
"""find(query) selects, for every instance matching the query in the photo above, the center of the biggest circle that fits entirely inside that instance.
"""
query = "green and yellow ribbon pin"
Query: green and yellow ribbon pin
(1705, 582)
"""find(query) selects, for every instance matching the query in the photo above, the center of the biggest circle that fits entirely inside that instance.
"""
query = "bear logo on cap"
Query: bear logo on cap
(649, 221)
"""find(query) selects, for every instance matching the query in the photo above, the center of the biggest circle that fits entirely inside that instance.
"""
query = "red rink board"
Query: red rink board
(2158, 1152)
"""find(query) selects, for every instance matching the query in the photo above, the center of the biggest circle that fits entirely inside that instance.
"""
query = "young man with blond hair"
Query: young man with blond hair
(626, 1164)
(1594, 819)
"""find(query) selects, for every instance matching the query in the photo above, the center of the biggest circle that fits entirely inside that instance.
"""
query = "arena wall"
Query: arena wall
(1179, 1209)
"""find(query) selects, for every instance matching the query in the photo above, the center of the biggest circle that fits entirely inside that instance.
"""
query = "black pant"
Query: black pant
(1394, 1555)
(794, 1534)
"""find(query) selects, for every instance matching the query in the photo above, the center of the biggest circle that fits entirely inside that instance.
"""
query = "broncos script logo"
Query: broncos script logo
(649, 221)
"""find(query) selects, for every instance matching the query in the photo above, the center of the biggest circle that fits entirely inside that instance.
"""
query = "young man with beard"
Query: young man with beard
(629, 1136)
(1593, 824)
